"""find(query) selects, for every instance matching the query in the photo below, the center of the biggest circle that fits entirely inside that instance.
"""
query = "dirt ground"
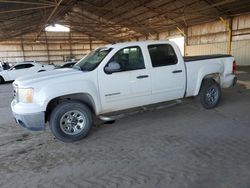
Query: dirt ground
(182, 146)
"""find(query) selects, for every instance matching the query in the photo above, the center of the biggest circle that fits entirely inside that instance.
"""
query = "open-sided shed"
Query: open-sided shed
(94, 23)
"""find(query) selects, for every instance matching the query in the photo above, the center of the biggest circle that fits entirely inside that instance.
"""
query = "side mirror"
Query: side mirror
(112, 67)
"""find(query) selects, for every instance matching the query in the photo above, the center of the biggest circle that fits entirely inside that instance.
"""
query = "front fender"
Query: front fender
(4, 75)
(52, 91)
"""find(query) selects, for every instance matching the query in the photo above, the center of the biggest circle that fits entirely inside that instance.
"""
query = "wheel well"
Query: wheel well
(214, 76)
(81, 97)
(2, 78)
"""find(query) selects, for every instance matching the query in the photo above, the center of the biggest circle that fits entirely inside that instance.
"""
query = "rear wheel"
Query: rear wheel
(71, 121)
(210, 93)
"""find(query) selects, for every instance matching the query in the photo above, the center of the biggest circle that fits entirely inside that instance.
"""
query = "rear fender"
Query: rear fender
(213, 71)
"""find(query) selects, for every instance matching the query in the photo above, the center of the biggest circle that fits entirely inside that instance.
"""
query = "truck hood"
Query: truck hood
(46, 76)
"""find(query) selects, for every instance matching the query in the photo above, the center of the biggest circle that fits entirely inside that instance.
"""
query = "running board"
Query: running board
(142, 109)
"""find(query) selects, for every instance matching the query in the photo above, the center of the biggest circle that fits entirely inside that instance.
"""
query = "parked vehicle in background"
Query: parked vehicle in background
(22, 69)
(114, 78)
(66, 65)
(4, 66)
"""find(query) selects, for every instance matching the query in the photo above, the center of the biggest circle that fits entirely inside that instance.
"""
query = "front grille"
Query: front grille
(14, 93)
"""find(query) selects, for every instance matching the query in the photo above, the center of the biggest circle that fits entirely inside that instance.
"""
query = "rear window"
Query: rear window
(162, 55)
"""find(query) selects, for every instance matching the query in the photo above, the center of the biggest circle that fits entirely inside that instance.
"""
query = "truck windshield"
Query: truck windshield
(92, 60)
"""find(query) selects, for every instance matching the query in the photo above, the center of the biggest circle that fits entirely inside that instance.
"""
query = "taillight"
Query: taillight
(234, 67)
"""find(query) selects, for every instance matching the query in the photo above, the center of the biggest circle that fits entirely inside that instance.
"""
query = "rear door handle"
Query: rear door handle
(142, 76)
(177, 71)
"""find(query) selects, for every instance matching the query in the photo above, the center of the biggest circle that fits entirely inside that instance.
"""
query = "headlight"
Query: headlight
(25, 95)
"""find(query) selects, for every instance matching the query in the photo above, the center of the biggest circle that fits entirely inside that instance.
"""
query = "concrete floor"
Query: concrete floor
(182, 146)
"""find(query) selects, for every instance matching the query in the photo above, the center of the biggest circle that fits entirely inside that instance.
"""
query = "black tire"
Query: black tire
(1, 80)
(210, 93)
(109, 122)
(62, 127)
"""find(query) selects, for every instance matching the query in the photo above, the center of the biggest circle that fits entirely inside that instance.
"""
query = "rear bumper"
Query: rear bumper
(234, 81)
(229, 81)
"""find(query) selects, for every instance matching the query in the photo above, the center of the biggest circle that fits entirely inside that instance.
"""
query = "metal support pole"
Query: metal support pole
(228, 26)
(22, 48)
(185, 40)
(184, 34)
(70, 45)
(47, 47)
(158, 36)
(90, 44)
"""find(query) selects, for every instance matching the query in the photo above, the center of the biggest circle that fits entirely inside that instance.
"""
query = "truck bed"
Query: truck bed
(204, 57)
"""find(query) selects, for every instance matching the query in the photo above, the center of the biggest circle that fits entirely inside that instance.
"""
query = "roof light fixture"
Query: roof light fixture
(57, 28)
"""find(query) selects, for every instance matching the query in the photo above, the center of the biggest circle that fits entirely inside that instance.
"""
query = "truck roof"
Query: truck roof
(137, 43)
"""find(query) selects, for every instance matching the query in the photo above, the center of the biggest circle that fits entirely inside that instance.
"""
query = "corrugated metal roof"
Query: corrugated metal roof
(112, 20)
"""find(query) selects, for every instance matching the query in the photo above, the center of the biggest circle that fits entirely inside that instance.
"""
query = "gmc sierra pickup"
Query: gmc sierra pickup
(114, 78)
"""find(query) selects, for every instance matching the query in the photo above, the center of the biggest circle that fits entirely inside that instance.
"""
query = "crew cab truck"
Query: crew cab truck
(114, 78)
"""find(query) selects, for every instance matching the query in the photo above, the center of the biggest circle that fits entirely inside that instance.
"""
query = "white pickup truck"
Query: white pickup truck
(22, 69)
(114, 78)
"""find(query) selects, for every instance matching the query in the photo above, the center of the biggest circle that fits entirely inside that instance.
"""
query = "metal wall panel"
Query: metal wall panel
(58, 47)
(240, 50)
(205, 49)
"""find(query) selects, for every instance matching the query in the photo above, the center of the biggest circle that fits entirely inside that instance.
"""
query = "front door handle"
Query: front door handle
(177, 71)
(142, 76)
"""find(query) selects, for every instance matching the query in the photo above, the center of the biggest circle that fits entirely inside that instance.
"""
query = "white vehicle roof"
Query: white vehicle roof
(137, 43)
(26, 62)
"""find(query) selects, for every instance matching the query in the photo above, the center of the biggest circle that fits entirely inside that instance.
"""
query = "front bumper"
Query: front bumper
(33, 118)
(34, 122)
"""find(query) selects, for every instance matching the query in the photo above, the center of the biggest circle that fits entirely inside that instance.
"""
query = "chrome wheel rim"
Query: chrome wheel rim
(72, 122)
(212, 95)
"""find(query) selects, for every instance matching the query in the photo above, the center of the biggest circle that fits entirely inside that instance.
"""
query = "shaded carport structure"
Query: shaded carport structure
(113, 21)
(184, 146)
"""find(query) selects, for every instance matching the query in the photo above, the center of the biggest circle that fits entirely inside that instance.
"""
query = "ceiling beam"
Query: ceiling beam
(26, 9)
(122, 20)
(212, 6)
(27, 2)
(95, 22)
(48, 19)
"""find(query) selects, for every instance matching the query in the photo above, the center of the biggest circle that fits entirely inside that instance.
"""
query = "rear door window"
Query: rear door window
(162, 55)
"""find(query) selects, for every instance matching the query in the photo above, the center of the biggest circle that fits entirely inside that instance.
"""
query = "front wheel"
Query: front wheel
(70, 121)
(210, 93)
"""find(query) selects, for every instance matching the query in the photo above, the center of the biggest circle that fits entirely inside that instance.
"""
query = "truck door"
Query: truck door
(167, 73)
(124, 82)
